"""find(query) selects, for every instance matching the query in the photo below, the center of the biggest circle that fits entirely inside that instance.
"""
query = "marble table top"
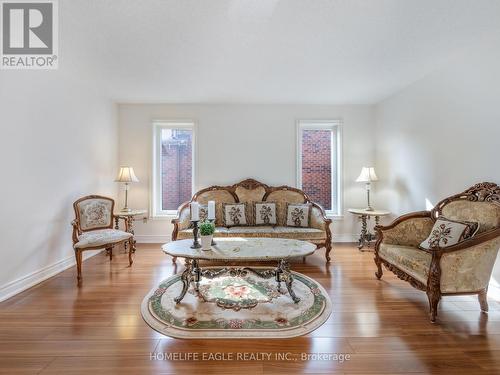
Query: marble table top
(238, 248)
(132, 212)
(363, 211)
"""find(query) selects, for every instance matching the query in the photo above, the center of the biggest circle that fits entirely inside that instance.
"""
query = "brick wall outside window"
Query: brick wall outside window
(317, 166)
(176, 168)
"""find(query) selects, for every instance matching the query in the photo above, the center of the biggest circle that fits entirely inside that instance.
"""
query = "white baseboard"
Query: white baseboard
(345, 237)
(17, 286)
(152, 238)
(163, 239)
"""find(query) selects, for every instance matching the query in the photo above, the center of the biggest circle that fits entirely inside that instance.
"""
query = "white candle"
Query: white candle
(195, 211)
(211, 210)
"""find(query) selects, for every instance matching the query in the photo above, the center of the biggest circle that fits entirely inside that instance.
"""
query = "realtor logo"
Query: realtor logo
(29, 34)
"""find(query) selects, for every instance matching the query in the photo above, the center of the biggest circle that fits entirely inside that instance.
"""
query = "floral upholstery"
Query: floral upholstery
(281, 197)
(308, 234)
(468, 270)
(220, 197)
(485, 213)
(95, 213)
(250, 195)
(410, 232)
(101, 237)
(410, 259)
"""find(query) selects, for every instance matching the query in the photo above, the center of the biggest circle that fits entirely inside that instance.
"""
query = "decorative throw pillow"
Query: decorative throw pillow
(235, 214)
(297, 214)
(203, 212)
(446, 232)
(264, 213)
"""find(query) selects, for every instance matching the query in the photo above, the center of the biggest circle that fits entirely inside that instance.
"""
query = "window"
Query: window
(173, 166)
(319, 161)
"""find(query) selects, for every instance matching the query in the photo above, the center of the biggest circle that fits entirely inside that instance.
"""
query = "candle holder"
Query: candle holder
(213, 223)
(196, 244)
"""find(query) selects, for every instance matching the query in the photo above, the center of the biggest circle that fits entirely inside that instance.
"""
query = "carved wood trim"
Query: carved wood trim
(434, 285)
(474, 241)
(403, 275)
(270, 190)
(250, 184)
(481, 192)
(402, 218)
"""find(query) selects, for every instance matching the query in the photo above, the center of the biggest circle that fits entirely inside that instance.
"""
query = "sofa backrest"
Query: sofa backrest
(251, 190)
(480, 203)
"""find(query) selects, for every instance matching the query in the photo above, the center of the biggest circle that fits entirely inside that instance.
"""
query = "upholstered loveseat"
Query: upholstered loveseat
(462, 268)
(317, 232)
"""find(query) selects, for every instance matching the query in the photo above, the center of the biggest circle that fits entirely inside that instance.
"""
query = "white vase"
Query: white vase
(206, 242)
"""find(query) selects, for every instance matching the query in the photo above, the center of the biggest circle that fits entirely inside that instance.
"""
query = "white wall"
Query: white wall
(58, 143)
(441, 134)
(241, 141)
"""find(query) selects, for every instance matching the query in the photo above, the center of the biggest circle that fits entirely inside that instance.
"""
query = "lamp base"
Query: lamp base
(369, 208)
(126, 209)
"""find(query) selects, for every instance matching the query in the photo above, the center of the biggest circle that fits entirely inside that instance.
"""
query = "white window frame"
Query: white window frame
(335, 126)
(156, 188)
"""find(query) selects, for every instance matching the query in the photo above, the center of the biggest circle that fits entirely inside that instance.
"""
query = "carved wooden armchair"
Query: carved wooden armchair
(93, 229)
(463, 268)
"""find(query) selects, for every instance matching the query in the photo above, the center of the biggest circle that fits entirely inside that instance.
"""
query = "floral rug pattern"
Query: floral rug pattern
(265, 311)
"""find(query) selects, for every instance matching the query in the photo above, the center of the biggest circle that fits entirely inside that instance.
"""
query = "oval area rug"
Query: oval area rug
(237, 306)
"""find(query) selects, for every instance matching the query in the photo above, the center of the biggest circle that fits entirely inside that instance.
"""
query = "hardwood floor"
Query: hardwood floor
(56, 327)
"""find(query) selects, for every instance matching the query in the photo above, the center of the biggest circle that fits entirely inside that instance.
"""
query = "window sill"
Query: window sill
(163, 217)
(335, 217)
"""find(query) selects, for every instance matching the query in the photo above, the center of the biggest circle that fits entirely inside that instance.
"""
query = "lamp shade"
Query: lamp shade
(367, 175)
(126, 174)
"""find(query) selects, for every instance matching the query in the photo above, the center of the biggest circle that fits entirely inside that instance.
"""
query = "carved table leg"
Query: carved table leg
(278, 278)
(129, 227)
(285, 275)
(117, 220)
(197, 275)
(364, 231)
(186, 278)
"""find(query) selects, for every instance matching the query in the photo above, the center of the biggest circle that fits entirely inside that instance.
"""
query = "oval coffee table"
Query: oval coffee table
(238, 249)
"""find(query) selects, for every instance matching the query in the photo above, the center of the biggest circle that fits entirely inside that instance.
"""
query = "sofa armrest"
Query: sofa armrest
(76, 230)
(407, 230)
(467, 266)
(319, 219)
(182, 221)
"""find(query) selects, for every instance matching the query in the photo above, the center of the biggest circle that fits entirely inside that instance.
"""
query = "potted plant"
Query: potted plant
(207, 230)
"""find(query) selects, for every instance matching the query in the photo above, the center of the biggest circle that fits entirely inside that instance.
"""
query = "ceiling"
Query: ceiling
(266, 51)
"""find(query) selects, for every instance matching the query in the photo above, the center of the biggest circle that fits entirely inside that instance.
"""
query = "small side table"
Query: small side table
(129, 217)
(365, 237)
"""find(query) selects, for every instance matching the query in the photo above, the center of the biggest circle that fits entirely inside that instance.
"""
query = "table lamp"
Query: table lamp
(367, 175)
(126, 175)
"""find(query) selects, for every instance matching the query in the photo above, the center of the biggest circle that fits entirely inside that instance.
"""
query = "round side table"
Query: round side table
(365, 237)
(128, 217)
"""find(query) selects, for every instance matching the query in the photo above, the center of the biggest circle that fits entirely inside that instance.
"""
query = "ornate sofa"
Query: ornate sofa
(463, 268)
(251, 190)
